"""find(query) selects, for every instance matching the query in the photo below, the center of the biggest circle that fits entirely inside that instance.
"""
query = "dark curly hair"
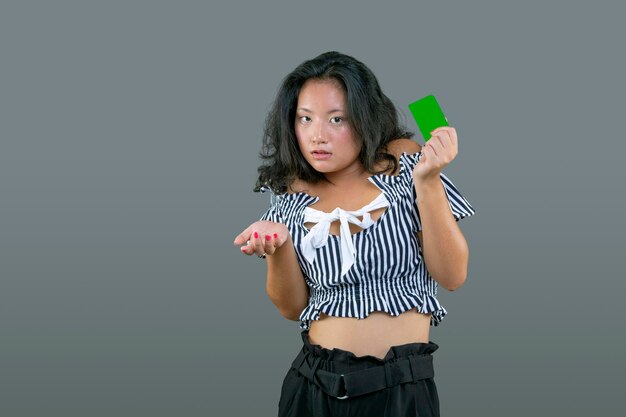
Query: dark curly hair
(372, 115)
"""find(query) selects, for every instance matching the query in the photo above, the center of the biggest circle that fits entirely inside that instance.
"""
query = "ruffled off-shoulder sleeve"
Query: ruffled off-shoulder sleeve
(459, 206)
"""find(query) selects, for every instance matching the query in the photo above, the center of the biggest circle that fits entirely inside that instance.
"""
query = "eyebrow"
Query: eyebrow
(331, 111)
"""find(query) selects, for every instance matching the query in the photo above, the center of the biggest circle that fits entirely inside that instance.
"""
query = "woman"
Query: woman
(357, 238)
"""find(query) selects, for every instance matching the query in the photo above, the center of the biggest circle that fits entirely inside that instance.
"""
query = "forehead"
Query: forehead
(321, 92)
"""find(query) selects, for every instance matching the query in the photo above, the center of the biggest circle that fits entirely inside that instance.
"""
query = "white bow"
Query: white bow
(318, 235)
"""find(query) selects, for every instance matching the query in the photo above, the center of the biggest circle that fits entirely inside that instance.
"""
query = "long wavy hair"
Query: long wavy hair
(371, 114)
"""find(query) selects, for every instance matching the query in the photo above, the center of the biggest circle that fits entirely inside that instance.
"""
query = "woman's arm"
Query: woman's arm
(445, 250)
(286, 286)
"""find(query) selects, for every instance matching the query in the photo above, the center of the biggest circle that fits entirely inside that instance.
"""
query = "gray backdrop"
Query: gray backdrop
(128, 153)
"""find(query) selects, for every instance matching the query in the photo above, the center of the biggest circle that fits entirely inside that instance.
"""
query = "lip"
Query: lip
(321, 154)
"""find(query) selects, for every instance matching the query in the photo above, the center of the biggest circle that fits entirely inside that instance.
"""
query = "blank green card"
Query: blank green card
(428, 115)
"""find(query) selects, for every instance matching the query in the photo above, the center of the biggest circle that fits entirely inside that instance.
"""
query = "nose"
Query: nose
(319, 135)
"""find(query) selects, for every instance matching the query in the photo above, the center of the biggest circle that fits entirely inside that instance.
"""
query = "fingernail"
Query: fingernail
(256, 235)
(275, 235)
(268, 237)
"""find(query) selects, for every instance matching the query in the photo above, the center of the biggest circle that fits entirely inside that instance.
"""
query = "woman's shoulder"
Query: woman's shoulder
(397, 146)
(298, 186)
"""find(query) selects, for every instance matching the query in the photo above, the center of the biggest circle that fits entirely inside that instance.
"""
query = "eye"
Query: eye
(337, 118)
(303, 117)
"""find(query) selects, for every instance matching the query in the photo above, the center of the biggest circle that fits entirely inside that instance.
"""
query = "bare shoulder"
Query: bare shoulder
(397, 146)
(298, 185)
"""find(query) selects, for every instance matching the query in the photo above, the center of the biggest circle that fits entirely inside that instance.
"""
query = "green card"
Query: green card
(428, 115)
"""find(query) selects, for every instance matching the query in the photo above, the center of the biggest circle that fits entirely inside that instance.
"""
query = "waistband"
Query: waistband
(341, 374)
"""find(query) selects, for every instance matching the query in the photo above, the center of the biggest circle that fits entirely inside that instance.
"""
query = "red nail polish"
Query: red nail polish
(268, 237)
(275, 235)
(256, 235)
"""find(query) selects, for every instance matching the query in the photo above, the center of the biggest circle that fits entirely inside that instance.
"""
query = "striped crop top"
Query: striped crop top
(379, 268)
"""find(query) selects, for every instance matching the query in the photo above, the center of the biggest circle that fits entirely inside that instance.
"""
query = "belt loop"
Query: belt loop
(413, 364)
(388, 379)
(316, 363)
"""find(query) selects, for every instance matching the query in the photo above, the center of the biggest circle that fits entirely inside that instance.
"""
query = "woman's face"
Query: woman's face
(324, 134)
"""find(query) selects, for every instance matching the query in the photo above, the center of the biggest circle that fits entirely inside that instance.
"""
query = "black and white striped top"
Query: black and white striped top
(388, 273)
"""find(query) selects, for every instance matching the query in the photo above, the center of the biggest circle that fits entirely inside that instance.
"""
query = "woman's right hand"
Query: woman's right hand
(262, 237)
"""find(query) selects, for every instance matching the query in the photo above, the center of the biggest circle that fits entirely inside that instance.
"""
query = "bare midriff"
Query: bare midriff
(373, 335)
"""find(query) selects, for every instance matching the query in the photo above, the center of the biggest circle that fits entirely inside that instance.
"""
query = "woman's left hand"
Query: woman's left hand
(438, 152)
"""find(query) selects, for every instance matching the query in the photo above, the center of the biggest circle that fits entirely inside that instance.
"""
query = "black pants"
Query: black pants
(302, 397)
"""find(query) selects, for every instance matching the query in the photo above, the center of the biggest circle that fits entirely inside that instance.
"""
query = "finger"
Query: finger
(251, 245)
(453, 137)
(448, 145)
(431, 148)
(437, 131)
(441, 132)
(434, 135)
(270, 244)
(448, 130)
(259, 246)
(444, 139)
(245, 249)
(443, 129)
(242, 237)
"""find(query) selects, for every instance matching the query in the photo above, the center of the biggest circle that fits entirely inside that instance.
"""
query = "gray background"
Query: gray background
(128, 153)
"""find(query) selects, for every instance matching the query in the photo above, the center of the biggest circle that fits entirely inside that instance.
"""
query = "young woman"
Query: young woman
(360, 232)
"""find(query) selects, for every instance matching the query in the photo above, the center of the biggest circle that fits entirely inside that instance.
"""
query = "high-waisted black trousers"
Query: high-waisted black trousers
(337, 383)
